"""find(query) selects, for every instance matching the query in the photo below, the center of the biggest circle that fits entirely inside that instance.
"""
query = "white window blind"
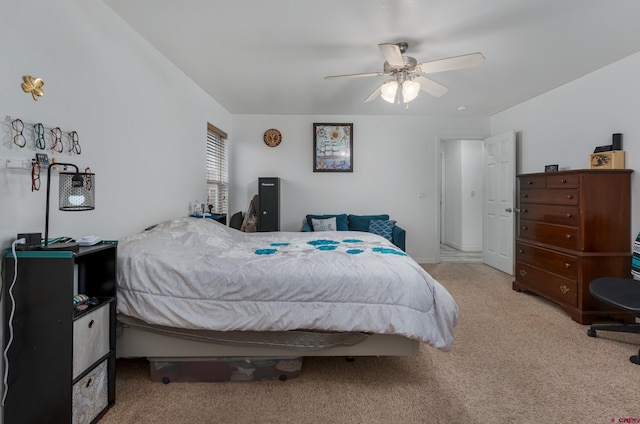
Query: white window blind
(217, 175)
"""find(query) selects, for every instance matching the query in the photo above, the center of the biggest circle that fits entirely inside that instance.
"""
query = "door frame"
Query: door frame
(440, 196)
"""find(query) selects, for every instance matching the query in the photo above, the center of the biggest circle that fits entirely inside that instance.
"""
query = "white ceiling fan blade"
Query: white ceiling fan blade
(431, 87)
(392, 54)
(374, 95)
(369, 74)
(451, 63)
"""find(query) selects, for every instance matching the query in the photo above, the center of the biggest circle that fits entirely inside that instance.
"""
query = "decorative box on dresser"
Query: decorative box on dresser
(61, 360)
(573, 226)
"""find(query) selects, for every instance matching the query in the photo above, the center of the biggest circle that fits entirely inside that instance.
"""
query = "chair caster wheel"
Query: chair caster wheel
(592, 333)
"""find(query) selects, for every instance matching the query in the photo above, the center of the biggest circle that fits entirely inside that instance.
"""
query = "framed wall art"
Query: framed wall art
(332, 147)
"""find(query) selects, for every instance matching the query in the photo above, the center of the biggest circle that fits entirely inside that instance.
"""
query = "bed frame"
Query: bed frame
(134, 342)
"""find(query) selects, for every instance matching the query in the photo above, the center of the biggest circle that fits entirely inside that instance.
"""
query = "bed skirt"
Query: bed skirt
(137, 338)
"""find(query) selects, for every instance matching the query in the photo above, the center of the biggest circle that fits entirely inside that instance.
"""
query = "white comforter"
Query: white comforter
(199, 274)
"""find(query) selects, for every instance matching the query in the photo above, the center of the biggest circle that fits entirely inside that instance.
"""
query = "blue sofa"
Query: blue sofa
(350, 222)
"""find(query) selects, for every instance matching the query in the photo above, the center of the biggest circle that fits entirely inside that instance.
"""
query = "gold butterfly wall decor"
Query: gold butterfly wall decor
(33, 86)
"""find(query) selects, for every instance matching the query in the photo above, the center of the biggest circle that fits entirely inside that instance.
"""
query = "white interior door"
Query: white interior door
(499, 202)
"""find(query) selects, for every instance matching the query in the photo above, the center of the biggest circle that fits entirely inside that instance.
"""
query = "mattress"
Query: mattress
(198, 274)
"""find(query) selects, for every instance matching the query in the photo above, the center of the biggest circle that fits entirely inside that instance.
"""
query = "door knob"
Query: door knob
(508, 210)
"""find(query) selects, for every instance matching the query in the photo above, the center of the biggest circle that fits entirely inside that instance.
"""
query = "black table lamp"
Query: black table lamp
(76, 193)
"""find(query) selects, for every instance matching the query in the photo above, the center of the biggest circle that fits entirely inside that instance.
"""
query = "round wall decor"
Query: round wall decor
(272, 137)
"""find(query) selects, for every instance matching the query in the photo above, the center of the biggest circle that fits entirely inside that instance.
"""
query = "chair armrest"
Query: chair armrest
(398, 237)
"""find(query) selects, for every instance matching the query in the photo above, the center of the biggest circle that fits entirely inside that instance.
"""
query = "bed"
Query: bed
(194, 288)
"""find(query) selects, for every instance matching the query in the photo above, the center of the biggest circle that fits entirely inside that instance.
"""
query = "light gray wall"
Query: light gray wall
(141, 121)
(395, 160)
(564, 125)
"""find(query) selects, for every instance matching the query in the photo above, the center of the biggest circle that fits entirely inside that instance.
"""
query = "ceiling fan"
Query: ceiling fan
(407, 73)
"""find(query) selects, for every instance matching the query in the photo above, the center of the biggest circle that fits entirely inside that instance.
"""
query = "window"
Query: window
(217, 175)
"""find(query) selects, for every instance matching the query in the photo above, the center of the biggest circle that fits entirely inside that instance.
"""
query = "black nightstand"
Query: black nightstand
(61, 362)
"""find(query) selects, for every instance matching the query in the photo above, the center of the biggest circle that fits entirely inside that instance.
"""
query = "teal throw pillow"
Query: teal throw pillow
(382, 228)
(361, 222)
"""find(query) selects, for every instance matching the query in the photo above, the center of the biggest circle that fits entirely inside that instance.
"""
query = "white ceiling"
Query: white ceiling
(270, 56)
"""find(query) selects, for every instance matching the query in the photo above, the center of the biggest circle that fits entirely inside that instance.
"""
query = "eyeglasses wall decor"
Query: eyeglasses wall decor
(38, 137)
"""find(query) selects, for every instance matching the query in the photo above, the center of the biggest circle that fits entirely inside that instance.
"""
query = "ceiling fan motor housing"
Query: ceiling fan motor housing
(409, 65)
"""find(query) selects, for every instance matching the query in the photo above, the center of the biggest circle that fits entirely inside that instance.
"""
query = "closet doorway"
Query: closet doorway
(461, 199)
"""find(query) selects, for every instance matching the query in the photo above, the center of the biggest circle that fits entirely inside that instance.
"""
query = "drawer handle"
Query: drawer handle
(89, 382)
(529, 182)
(569, 196)
(563, 181)
(524, 227)
(567, 265)
(568, 215)
(523, 272)
(90, 323)
(525, 210)
(564, 289)
(524, 196)
(568, 236)
(521, 250)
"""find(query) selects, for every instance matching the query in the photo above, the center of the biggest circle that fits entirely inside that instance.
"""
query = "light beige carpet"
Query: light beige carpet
(516, 359)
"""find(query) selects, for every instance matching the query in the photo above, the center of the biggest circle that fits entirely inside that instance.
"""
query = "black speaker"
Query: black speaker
(617, 141)
(269, 202)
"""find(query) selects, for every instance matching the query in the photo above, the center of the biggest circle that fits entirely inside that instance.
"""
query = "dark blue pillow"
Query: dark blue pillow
(341, 220)
(361, 222)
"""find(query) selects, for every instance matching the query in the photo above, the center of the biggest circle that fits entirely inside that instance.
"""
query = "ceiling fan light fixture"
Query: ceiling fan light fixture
(388, 91)
(410, 90)
(405, 71)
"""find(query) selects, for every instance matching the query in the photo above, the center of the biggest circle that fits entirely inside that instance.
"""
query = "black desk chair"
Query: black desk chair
(623, 293)
(236, 220)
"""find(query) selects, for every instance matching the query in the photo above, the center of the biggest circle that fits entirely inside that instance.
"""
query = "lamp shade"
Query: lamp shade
(76, 191)
(388, 91)
(410, 90)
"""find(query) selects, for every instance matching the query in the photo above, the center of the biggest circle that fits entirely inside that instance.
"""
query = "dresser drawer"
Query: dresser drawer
(533, 181)
(90, 338)
(563, 215)
(563, 181)
(91, 395)
(568, 197)
(547, 284)
(556, 235)
(557, 263)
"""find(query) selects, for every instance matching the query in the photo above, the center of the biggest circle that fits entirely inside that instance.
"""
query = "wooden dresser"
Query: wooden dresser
(573, 227)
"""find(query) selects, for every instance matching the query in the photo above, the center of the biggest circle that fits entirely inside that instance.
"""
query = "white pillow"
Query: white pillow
(328, 224)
